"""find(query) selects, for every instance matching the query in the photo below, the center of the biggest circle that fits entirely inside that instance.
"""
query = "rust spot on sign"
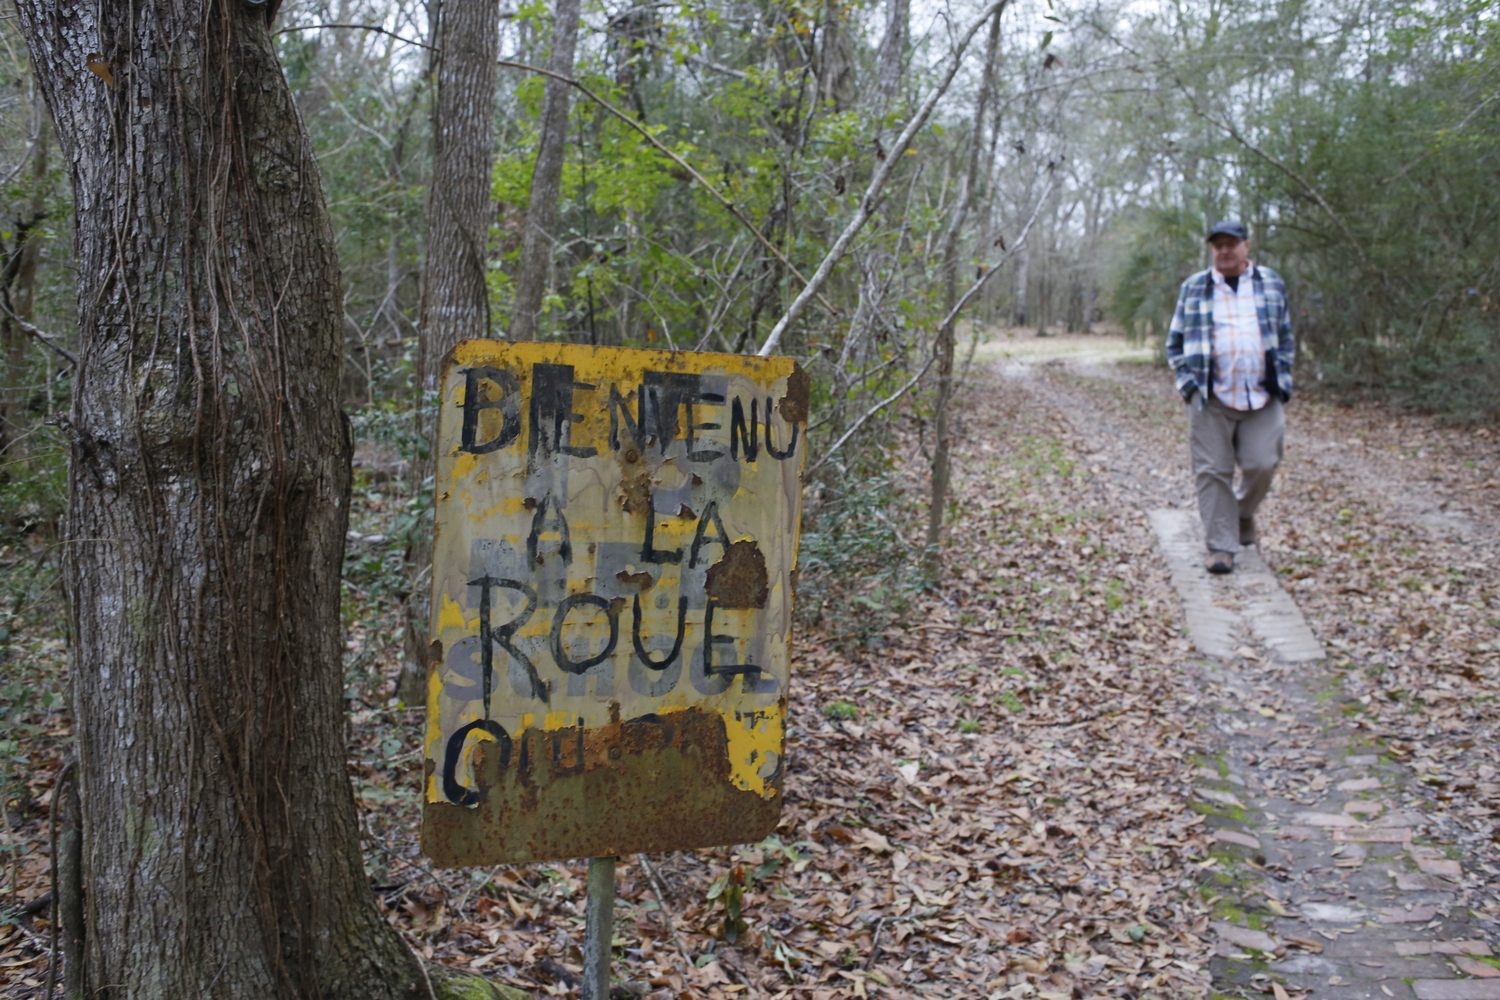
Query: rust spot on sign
(583, 793)
(635, 493)
(739, 579)
(798, 390)
(644, 579)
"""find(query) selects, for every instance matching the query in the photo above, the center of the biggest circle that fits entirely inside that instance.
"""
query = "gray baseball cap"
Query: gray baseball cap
(1228, 228)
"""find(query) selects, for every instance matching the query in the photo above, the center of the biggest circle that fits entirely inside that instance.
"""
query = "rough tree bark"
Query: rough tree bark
(546, 177)
(209, 490)
(455, 295)
(455, 298)
(892, 55)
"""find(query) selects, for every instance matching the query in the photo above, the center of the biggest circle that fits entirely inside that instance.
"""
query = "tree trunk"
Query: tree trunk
(546, 177)
(209, 489)
(892, 56)
(18, 296)
(963, 206)
(1023, 279)
(836, 62)
(455, 294)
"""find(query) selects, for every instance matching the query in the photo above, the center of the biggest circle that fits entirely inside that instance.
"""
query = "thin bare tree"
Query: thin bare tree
(963, 207)
(546, 177)
(455, 292)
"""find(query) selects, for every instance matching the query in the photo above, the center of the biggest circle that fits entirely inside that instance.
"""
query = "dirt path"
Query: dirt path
(1353, 796)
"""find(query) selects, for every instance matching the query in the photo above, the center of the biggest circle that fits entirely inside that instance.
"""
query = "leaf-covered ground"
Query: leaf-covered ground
(992, 800)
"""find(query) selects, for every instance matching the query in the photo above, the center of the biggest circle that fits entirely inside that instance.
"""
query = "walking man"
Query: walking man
(1231, 345)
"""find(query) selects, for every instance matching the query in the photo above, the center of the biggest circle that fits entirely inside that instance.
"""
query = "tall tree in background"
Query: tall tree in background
(546, 178)
(209, 489)
(455, 297)
(892, 55)
(963, 206)
(455, 294)
(836, 58)
(18, 263)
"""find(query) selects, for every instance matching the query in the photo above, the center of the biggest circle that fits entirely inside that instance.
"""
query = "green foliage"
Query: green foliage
(776, 854)
(1011, 701)
(1365, 171)
(856, 570)
(1163, 245)
(450, 985)
(841, 710)
(1114, 595)
(730, 888)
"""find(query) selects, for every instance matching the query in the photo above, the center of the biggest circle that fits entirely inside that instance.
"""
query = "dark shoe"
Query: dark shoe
(1221, 562)
(1247, 531)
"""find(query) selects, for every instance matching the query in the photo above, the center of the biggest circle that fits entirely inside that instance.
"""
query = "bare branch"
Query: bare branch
(877, 184)
(360, 27)
(994, 268)
(1467, 118)
(42, 337)
(887, 401)
(691, 57)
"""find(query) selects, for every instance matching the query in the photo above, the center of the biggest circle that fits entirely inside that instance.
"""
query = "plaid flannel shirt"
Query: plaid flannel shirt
(1190, 349)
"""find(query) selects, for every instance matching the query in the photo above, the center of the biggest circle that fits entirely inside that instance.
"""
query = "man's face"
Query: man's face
(1231, 256)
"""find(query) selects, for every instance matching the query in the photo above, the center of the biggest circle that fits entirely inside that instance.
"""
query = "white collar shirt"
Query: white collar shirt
(1239, 355)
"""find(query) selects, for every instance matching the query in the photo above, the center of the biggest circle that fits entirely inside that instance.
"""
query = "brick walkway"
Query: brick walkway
(1327, 879)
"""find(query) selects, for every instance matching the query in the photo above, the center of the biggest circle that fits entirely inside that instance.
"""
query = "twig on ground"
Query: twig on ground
(666, 912)
(937, 626)
(875, 941)
(1068, 722)
(63, 776)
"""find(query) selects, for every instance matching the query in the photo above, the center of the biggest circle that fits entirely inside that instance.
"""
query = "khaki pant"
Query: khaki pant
(1219, 438)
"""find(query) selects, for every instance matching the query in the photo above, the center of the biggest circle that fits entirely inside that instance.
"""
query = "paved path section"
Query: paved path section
(1220, 609)
(1326, 875)
(1327, 880)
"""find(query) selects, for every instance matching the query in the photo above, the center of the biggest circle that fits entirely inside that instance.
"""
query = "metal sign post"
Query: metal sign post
(616, 536)
(599, 928)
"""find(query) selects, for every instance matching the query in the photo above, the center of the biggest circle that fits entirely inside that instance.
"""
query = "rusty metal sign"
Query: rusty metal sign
(611, 600)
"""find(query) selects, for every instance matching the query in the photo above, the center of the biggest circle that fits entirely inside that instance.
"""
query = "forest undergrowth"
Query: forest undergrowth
(988, 797)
